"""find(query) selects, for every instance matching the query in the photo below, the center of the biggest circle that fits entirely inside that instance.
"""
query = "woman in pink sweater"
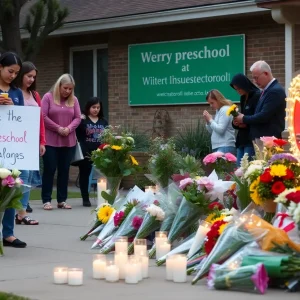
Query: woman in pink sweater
(61, 113)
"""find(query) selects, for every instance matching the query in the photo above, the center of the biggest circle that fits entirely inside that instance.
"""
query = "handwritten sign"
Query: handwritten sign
(19, 137)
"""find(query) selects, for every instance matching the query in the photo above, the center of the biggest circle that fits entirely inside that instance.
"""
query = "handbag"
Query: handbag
(78, 156)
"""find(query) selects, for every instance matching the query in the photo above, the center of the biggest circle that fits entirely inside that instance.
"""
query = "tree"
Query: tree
(44, 17)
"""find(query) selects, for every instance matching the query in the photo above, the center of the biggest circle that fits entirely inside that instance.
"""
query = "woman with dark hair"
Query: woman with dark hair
(10, 66)
(250, 95)
(27, 83)
(89, 136)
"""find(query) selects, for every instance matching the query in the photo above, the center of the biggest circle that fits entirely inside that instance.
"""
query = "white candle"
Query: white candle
(179, 268)
(121, 245)
(121, 260)
(160, 238)
(163, 249)
(140, 250)
(131, 273)
(203, 229)
(169, 267)
(60, 275)
(99, 266)
(75, 276)
(139, 269)
(112, 272)
(145, 266)
(101, 186)
(150, 188)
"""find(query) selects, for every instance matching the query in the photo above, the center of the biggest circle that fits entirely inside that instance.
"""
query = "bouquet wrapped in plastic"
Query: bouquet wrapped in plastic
(123, 208)
(252, 278)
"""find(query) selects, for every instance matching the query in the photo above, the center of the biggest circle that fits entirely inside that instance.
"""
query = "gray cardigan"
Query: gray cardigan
(222, 132)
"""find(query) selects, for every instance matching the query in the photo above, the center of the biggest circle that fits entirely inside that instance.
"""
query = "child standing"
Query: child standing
(88, 135)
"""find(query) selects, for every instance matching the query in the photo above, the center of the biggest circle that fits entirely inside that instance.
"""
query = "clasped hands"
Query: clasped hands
(207, 116)
(238, 121)
(64, 131)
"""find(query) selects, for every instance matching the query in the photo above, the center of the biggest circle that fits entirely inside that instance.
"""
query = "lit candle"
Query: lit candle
(99, 266)
(169, 267)
(121, 244)
(203, 229)
(179, 268)
(75, 276)
(112, 272)
(160, 237)
(140, 247)
(145, 266)
(131, 273)
(139, 267)
(121, 260)
(163, 249)
(101, 186)
(60, 275)
(150, 188)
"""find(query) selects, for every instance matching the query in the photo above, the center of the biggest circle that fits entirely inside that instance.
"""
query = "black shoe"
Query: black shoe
(29, 209)
(87, 203)
(16, 243)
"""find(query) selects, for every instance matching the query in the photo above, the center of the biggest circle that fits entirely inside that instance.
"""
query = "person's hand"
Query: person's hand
(61, 131)
(238, 120)
(83, 117)
(207, 116)
(66, 131)
(5, 101)
(42, 150)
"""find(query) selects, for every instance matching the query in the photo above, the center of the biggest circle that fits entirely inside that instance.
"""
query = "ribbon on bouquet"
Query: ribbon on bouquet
(282, 217)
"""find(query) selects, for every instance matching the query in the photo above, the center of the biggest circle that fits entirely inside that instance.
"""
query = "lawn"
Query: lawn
(4, 296)
(36, 194)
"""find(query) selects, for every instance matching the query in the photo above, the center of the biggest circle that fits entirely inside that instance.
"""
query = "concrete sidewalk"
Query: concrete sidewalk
(55, 242)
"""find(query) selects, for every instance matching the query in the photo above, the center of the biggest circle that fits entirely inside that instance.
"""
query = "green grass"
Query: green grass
(36, 195)
(5, 296)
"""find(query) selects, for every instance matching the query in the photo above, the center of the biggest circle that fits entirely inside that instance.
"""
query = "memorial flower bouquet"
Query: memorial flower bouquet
(232, 111)
(102, 215)
(114, 160)
(10, 194)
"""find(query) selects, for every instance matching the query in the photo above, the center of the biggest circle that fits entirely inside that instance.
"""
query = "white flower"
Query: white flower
(15, 173)
(251, 169)
(228, 219)
(4, 173)
(18, 182)
(296, 215)
(156, 211)
(245, 161)
(281, 198)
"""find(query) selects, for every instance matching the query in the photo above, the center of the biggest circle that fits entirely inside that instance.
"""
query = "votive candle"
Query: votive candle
(121, 260)
(121, 244)
(169, 267)
(179, 268)
(140, 247)
(112, 272)
(75, 276)
(99, 266)
(60, 275)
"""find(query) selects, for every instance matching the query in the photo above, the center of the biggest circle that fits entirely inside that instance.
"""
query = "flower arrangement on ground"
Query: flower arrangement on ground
(10, 194)
(114, 160)
(103, 214)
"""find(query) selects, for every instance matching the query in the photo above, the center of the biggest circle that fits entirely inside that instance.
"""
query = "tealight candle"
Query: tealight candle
(169, 267)
(60, 275)
(75, 276)
(179, 268)
(121, 260)
(99, 266)
(101, 186)
(121, 244)
(112, 272)
(163, 249)
(140, 247)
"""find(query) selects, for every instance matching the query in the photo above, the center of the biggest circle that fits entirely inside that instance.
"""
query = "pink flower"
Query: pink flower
(230, 157)
(156, 202)
(205, 182)
(8, 181)
(137, 222)
(118, 217)
(218, 154)
(239, 172)
(212, 157)
(268, 141)
(184, 182)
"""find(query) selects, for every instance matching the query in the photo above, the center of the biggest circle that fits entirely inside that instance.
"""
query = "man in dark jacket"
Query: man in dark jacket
(269, 116)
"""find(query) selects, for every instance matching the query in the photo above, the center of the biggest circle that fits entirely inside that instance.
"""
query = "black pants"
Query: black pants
(56, 158)
(85, 168)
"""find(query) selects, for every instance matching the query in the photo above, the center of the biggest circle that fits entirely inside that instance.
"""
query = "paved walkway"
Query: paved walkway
(55, 242)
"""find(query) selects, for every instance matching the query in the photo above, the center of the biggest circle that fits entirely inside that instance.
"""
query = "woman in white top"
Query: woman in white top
(220, 127)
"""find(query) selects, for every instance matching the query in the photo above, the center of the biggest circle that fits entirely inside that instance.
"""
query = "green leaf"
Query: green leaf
(110, 199)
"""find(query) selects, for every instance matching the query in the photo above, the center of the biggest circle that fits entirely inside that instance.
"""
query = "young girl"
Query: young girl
(27, 82)
(10, 66)
(88, 135)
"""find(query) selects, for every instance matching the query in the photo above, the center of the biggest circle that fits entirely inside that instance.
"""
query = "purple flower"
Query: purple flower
(282, 156)
(8, 181)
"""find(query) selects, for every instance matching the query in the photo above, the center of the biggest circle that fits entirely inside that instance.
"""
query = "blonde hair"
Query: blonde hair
(219, 97)
(63, 79)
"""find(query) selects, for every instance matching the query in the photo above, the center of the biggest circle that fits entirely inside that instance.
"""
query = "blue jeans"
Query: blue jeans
(31, 178)
(8, 223)
(56, 158)
(226, 149)
(241, 151)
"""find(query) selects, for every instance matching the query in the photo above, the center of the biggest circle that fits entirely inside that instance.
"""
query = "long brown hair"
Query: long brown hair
(219, 97)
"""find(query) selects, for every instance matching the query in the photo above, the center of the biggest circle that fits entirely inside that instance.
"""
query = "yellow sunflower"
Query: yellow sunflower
(221, 228)
(104, 213)
(116, 147)
(254, 192)
(133, 160)
(278, 170)
(231, 109)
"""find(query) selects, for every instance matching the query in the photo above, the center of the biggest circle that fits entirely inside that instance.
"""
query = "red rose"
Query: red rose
(289, 175)
(277, 188)
(102, 146)
(280, 142)
(215, 205)
(294, 197)
(209, 245)
(266, 177)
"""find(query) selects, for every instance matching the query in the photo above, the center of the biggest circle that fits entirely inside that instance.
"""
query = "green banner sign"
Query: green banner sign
(182, 72)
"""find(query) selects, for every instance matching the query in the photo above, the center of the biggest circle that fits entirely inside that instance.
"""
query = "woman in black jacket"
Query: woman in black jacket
(89, 136)
(250, 95)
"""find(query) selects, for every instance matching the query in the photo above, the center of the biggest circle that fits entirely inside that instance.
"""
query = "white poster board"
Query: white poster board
(19, 137)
